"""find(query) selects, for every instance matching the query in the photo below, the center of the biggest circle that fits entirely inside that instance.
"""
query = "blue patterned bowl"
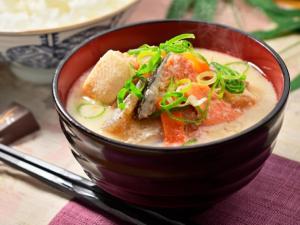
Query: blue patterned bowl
(33, 55)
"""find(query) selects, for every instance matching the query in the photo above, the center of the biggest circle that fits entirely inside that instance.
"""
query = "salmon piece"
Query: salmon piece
(174, 131)
(219, 112)
(185, 65)
(198, 91)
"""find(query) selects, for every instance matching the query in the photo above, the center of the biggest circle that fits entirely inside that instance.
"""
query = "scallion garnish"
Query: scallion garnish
(152, 63)
(121, 96)
(222, 78)
(184, 85)
(150, 57)
(171, 100)
(190, 142)
(178, 44)
(206, 78)
(172, 85)
(196, 121)
(229, 79)
(90, 110)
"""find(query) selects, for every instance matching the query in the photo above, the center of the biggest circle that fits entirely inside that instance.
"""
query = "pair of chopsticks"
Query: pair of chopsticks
(82, 189)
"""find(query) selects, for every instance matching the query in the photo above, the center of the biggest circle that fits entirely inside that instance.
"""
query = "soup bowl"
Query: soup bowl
(173, 177)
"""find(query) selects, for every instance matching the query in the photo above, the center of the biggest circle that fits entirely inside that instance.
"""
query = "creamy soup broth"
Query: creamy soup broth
(149, 131)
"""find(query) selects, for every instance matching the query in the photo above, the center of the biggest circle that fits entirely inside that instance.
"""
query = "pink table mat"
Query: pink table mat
(272, 198)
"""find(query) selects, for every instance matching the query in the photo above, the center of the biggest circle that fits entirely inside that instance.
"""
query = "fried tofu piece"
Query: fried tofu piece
(239, 100)
(107, 77)
(122, 118)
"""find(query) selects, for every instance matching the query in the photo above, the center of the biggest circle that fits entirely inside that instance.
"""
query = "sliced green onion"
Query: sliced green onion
(142, 48)
(184, 85)
(227, 72)
(143, 56)
(245, 64)
(138, 90)
(199, 55)
(195, 101)
(171, 100)
(235, 86)
(206, 78)
(90, 111)
(181, 37)
(229, 79)
(121, 96)
(151, 65)
(172, 85)
(219, 86)
(190, 142)
(177, 44)
(197, 121)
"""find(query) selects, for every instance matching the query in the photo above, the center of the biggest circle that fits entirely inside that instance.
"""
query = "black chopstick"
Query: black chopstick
(47, 166)
(83, 189)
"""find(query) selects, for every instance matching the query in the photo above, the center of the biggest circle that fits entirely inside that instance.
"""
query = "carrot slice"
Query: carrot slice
(173, 129)
(198, 64)
(220, 112)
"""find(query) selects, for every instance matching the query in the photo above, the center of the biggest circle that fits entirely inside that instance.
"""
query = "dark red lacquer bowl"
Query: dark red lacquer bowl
(198, 175)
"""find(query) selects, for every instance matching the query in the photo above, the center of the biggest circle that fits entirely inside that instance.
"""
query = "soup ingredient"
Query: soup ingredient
(173, 94)
(107, 77)
(220, 112)
(229, 79)
(173, 65)
(173, 129)
(240, 100)
(16, 15)
(90, 111)
(186, 85)
(158, 82)
(121, 118)
(155, 54)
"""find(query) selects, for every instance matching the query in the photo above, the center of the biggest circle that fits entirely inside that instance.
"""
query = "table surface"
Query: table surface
(24, 200)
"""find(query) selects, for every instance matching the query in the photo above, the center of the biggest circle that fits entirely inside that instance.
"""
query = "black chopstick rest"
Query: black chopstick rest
(16, 121)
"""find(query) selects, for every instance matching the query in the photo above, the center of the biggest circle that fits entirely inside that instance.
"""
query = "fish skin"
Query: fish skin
(156, 85)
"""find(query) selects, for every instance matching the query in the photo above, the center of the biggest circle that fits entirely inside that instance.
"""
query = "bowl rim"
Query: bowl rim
(78, 25)
(172, 149)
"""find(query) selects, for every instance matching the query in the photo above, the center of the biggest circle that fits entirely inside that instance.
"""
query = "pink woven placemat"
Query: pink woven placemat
(272, 198)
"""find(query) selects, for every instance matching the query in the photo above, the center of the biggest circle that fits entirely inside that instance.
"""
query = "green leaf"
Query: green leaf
(287, 20)
(280, 30)
(178, 8)
(271, 7)
(295, 84)
(204, 10)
